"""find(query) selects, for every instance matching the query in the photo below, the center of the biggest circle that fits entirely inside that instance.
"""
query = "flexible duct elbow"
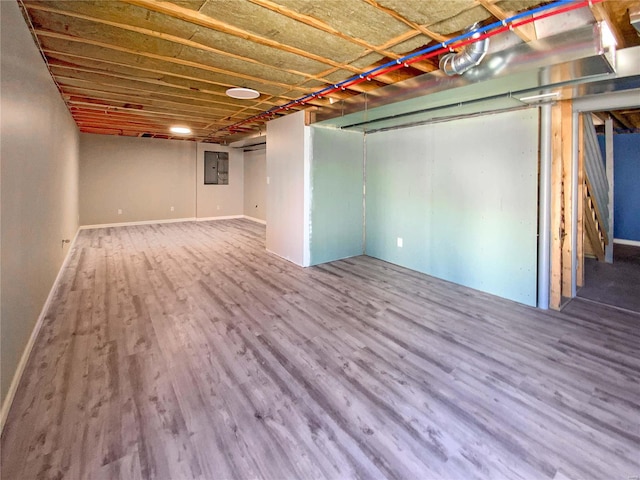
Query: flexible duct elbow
(470, 56)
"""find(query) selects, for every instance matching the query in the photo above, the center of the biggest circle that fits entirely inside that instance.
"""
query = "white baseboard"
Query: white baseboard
(22, 364)
(633, 243)
(226, 217)
(253, 219)
(170, 220)
(144, 222)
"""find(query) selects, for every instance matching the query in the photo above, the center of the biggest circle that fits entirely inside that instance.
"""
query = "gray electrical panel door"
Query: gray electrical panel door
(216, 168)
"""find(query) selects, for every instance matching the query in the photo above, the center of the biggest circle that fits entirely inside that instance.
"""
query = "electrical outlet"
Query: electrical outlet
(119, 211)
(399, 242)
(218, 207)
(172, 209)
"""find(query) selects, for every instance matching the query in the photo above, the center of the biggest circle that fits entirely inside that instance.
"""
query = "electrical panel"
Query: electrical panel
(216, 168)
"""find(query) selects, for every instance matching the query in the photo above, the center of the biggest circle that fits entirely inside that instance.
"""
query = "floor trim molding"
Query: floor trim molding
(224, 217)
(253, 219)
(26, 353)
(170, 220)
(143, 222)
(620, 241)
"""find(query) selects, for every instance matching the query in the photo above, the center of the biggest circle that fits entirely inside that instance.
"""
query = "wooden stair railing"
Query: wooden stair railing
(596, 235)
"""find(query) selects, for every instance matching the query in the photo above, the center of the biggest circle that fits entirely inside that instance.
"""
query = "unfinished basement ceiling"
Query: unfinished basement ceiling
(138, 67)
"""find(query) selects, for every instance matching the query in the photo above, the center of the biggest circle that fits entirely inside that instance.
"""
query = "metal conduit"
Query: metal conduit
(544, 212)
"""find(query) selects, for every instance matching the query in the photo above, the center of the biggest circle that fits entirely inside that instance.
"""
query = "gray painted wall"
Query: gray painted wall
(144, 177)
(462, 195)
(336, 194)
(221, 200)
(39, 178)
(287, 190)
(255, 184)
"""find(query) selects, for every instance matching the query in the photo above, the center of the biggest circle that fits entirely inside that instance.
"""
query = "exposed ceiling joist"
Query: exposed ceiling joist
(169, 38)
(152, 63)
(526, 32)
(177, 61)
(320, 25)
(197, 18)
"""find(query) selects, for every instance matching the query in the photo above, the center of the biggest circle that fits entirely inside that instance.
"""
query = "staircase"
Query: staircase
(595, 195)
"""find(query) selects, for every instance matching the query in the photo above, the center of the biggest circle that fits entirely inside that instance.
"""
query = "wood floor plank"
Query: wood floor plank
(186, 351)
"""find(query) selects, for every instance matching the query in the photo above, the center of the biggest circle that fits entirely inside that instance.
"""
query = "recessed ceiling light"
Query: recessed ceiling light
(181, 130)
(243, 93)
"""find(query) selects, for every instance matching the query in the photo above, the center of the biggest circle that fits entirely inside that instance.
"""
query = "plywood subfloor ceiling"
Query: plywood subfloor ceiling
(138, 67)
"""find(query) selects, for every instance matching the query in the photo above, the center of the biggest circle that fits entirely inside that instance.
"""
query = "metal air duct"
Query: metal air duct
(470, 56)
(634, 18)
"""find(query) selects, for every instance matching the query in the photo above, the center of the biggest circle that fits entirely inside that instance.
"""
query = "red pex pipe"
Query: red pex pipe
(402, 64)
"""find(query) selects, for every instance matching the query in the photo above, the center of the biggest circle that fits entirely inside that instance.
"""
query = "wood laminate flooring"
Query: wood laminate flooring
(186, 351)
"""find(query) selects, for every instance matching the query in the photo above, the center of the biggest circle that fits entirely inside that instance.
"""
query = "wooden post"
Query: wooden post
(567, 196)
(555, 297)
(580, 194)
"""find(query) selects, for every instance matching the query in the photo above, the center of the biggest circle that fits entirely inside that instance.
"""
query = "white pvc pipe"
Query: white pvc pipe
(544, 214)
(609, 161)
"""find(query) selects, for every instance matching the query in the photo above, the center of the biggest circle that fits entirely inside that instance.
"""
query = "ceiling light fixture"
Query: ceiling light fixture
(181, 130)
(243, 93)
(543, 97)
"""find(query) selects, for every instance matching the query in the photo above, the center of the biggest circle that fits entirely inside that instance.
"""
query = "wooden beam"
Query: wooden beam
(622, 120)
(580, 194)
(190, 43)
(105, 104)
(169, 38)
(526, 32)
(71, 93)
(320, 25)
(601, 14)
(107, 74)
(154, 130)
(71, 82)
(76, 67)
(420, 29)
(115, 108)
(89, 114)
(264, 99)
(568, 197)
(98, 93)
(177, 61)
(555, 300)
(133, 121)
(324, 27)
(202, 20)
